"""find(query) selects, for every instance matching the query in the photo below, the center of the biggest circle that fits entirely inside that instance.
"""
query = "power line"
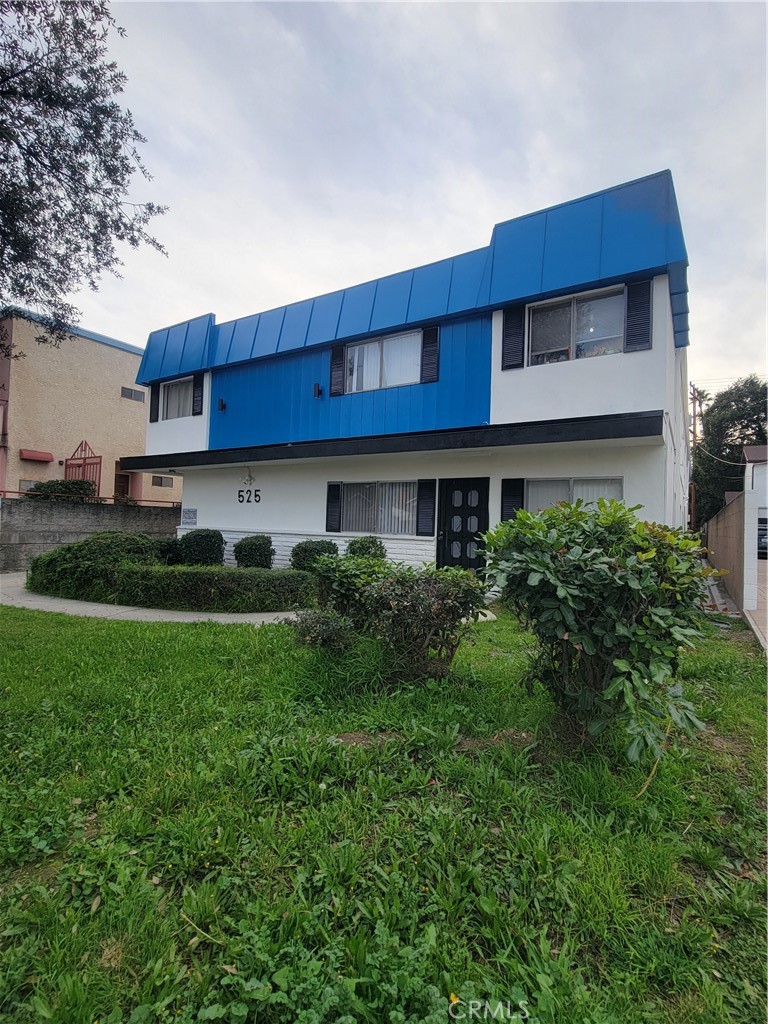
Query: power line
(718, 459)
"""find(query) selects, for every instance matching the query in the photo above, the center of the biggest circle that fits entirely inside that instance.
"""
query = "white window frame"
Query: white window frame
(597, 293)
(379, 483)
(381, 341)
(570, 481)
(164, 398)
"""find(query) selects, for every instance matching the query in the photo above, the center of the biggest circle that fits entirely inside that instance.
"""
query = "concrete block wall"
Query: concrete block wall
(30, 526)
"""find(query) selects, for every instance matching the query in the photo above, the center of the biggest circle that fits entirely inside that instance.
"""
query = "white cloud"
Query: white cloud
(306, 147)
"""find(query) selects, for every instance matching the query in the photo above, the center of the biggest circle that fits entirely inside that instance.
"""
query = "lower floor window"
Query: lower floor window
(542, 494)
(379, 508)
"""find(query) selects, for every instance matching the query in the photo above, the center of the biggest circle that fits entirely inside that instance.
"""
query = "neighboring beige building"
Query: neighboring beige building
(77, 400)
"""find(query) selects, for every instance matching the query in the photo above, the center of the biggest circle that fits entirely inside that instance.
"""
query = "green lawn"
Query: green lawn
(185, 837)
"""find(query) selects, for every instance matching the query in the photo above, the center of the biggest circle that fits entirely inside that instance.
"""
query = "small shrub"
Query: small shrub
(63, 490)
(611, 600)
(307, 552)
(420, 616)
(325, 628)
(214, 588)
(168, 550)
(255, 552)
(201, 547)
(367, 547)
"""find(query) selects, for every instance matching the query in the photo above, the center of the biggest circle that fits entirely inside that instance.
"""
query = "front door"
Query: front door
(462, 515)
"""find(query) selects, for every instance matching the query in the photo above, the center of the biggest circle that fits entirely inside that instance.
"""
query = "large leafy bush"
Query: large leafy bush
(201, 547)
(611, 600)
(86, 570)
(63, 490)
(419, 616)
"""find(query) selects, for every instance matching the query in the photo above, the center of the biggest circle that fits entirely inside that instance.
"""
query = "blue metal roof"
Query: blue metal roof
(621, 232)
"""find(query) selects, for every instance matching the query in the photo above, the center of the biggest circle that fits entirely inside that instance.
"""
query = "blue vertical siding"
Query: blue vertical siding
(271, 401)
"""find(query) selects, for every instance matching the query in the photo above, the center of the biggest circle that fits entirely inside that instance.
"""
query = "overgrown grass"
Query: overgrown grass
(201, 822)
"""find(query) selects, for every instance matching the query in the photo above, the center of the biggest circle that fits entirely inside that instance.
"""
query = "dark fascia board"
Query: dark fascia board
(584, 428)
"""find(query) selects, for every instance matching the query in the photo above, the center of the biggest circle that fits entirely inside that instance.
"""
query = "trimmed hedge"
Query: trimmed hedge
(254, 552)
(307, 552)
(214, 588)
(201, 547)
(86, 569)
(122, 568)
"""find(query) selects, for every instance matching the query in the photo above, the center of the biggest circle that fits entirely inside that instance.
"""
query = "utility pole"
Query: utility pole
(695, 399)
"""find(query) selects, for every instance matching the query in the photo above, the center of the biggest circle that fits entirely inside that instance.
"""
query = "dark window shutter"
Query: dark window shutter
(430, 354)
(197, 394)
(425, 508)
(637, 335)
(154, 403)
(512, 492)
(337, 370)
(333, 509)
(512, 338)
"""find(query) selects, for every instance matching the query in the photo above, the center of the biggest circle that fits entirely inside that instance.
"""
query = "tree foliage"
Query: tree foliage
(68, 154)
(734, 418)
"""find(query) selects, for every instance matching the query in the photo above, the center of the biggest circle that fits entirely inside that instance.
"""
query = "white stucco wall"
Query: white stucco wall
(293, 495)
(185, 434)
(626, 382)
(756, 479)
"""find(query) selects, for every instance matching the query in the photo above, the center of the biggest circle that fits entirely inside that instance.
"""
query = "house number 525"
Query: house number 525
(248, 496)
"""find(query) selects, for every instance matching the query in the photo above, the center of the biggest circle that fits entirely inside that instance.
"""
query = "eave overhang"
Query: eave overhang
(613, 427)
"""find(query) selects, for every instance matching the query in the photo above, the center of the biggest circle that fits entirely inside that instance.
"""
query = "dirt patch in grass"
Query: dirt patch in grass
(517, 738)
(366, 739)
(112, 954)
(736, 746)
(39, 873)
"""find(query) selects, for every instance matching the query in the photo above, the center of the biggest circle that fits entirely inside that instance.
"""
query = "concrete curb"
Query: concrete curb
(14, 594)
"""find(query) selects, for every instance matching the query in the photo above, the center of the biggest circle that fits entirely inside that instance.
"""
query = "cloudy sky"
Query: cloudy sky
(304, 147)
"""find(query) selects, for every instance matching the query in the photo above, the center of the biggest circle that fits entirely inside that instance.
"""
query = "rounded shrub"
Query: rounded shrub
(367, 547)
(307, 552)
(167, 550)
(255, 552)
(201, 547)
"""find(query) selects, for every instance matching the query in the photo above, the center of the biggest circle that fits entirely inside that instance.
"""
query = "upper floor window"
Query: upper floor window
(597, 323)
(407, 358)
(576, 328)
(383, 363)
(177, 399)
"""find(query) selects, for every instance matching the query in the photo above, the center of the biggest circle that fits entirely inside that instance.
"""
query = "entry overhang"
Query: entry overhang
(616, 427)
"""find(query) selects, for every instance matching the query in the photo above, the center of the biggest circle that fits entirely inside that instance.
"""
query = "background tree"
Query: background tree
(68, 153)
(735, 417)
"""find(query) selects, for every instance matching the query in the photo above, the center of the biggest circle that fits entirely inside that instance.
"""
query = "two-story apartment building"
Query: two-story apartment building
(427, 405)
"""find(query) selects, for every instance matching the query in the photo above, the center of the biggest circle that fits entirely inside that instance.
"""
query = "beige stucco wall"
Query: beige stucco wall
(58, 397)
(725, 542)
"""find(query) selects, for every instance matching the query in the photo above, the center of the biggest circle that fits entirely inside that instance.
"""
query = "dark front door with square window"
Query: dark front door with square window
(463, 514)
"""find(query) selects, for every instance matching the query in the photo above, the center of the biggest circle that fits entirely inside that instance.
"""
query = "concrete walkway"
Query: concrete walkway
(12, 592)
